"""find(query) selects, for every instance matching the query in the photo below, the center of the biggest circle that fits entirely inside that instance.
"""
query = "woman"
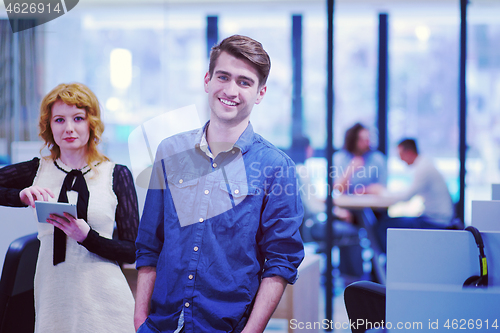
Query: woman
(359, 169)
(79, 286)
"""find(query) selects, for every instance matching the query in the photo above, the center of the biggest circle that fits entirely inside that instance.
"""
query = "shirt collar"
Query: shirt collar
(246, 139)
(243, 143)
(203, 143)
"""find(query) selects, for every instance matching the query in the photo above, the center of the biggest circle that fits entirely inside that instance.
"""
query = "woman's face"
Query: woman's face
(70, 127)
(363, 143)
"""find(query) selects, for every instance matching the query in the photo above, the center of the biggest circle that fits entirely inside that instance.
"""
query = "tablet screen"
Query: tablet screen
(44, 209)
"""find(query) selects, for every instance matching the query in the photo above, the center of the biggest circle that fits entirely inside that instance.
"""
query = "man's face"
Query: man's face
(405, 155)
(232, 90)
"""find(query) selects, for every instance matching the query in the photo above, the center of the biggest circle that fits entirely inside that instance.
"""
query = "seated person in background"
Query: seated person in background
(357, 167)
(430, 185)
(313, 204)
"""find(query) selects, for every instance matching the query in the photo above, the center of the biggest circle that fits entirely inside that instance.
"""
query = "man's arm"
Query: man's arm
(145, 284)
(419, 182)
(270, 291)
(279, 241)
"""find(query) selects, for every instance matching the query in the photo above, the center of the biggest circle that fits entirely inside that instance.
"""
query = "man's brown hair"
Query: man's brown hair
(409, 144)
(245, 48)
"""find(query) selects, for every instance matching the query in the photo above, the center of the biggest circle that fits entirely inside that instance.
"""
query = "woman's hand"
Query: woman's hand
(75, 228)
(30, 194)
(377, 189)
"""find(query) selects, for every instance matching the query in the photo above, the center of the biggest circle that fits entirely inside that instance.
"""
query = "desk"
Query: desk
(363, 206)
(425, 273)
(363, 201)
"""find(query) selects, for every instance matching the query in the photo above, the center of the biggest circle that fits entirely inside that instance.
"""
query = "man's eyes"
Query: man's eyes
(243, 83)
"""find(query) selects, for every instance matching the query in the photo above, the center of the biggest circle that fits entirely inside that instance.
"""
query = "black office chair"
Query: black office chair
(365, 300)
(17, 307)
(345, 234)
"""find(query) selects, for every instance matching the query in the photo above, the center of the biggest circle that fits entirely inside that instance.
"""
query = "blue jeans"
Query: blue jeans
(420, 222)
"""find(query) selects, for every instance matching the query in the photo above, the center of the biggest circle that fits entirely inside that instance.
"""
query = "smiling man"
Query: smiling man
(218, 240)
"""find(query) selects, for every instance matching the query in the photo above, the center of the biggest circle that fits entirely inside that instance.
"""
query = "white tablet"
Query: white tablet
(44, 209)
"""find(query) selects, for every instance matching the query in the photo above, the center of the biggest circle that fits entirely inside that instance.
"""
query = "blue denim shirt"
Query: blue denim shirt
(213, 228)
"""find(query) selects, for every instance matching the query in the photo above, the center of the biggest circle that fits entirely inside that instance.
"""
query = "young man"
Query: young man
(218, 240)
(427, 182)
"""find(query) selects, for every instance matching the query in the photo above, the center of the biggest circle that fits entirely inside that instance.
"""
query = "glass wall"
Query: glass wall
(424, 67)
(483, 97)
(140, 61)
(355, 73)
(423, 93)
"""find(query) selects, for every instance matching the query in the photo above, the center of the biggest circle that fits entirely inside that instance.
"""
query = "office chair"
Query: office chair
(365, 300)
(17, 308)
(345, 234)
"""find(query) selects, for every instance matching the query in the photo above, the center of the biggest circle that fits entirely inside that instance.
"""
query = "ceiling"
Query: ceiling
(303, 2)
(421, 5)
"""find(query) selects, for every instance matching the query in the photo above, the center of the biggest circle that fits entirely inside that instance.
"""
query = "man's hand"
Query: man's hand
(145, 283)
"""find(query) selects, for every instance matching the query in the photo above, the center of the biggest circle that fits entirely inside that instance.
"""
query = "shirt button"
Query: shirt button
(214, 165)
(232, 151)
(181, 181)
(207, 191)
(190, 277)
(236, 191)
(201, 219)
(196, 248)
(186, 304)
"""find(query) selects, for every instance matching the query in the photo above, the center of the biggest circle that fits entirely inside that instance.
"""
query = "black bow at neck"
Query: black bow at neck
(75, 181)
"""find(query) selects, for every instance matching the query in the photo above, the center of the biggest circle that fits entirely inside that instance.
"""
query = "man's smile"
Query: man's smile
(228, 102)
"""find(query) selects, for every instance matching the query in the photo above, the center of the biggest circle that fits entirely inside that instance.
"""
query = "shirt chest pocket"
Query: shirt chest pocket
(229, 198)
(184, 191)
(237, 191)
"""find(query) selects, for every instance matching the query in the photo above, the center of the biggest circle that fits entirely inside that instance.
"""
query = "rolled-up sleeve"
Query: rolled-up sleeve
(282, 214)
(150, 235)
